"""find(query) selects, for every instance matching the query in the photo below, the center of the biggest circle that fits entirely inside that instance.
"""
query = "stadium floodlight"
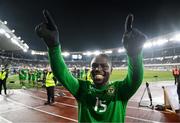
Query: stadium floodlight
(160, 42)
(159, 58)
(108, 51)
(26, 46)
(43, 53)
(124, 60)
(25, 50)
(7, 35)
(84, 53)
(175, 57)
(65, 54)
(97, 52)
(147, 45)
(88, 53)
(168, 57)
(5, 22)
(12, 30)
(32, 52)
(176, 38)
(121, 50)
(19, 38)
(14, 41)
(2, 31)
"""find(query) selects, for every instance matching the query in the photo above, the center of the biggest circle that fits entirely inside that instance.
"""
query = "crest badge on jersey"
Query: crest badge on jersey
(110, 91)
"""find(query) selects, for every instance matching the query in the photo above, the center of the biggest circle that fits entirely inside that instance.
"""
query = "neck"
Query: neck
(101, 85)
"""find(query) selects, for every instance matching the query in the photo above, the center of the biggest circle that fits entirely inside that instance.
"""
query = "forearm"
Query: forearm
(135, 70)
(135, 74)
(61, 71)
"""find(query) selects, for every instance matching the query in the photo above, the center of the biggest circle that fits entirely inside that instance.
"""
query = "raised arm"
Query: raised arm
(49, 33)
(133, 41)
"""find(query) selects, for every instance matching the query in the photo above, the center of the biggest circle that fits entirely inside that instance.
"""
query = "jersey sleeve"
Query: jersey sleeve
(134, 77)
(61, 72)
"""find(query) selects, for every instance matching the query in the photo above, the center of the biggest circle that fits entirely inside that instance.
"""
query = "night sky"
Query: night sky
(90, 24)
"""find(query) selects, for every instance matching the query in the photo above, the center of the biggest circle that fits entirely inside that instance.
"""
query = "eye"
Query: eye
(94, 66)
(105, 66)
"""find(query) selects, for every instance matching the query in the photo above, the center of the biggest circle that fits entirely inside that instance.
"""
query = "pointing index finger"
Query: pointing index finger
(129, 22)
(49, 19)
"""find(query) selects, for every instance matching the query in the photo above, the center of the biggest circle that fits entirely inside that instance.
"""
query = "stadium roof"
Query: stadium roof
(9, 41)
(156, 42)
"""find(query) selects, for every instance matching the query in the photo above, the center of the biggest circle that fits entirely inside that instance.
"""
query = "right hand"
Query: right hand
(48, 31)
(133, 40)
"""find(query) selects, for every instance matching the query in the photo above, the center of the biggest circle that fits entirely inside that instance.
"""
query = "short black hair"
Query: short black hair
(104, 56)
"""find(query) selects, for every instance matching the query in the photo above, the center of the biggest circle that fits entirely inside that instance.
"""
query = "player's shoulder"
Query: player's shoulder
(115, 82)
(83, 82)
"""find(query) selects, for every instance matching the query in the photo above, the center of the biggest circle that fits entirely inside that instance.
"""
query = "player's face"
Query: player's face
(100, 70)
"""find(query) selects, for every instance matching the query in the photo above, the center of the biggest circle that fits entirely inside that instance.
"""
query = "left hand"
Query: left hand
(48, 30)
(133, 39)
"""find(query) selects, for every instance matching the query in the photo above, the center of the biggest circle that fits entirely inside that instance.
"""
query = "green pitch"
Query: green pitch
(149, 76)
(16, 84)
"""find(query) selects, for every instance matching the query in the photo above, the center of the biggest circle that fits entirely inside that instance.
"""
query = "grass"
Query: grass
(149, 76)
(16, 84)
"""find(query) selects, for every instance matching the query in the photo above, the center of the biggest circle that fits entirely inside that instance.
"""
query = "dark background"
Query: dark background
(90, 24)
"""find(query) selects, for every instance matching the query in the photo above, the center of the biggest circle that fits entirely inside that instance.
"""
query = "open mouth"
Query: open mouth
(99, 77)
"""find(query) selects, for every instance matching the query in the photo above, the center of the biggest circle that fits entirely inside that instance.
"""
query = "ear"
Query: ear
(111, 70)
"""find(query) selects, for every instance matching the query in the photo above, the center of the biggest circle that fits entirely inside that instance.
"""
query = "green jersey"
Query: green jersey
(22, 74)
(34, 75)
(105, 104)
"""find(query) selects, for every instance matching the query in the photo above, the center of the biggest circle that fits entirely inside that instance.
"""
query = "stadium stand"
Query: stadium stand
(168, 55)
(162, 51)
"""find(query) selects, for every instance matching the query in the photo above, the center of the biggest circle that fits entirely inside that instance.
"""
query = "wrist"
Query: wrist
(51, 43)
(54, 48)
(134, 53)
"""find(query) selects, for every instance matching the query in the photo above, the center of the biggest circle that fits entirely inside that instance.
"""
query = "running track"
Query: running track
(28, 106)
